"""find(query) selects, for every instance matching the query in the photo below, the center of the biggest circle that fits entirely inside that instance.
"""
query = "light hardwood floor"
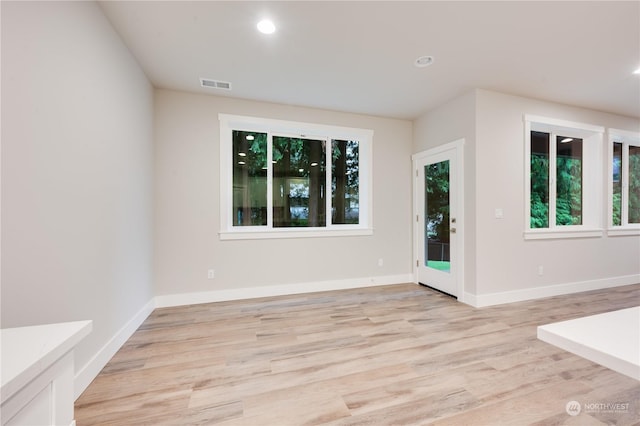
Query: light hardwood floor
(400, 354)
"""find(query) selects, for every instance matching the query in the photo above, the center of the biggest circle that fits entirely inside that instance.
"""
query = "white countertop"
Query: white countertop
(28, 351)
(611, 339)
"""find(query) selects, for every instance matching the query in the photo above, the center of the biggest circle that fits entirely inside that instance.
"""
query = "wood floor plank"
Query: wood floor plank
(387, 355)
(520, 410)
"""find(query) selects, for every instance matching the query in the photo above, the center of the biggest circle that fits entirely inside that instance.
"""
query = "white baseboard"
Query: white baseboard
(180, 299)
(490, 299)
(470, 299)
(89, 371)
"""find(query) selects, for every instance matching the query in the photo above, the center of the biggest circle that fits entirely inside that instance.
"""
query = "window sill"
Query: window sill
(293, 233)
(560, 233)
(620, 231)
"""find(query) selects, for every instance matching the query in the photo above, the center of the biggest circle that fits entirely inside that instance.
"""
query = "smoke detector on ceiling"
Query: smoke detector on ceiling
(215, 84)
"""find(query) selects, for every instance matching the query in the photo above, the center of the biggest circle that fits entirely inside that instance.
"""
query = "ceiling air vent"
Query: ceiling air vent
(215, 84)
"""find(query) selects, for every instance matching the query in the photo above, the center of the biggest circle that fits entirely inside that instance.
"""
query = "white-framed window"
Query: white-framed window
(563, 185)
(286, 179)
(623, 183)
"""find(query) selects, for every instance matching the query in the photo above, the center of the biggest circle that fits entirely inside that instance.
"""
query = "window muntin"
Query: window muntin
(562, 163)
(317, 179)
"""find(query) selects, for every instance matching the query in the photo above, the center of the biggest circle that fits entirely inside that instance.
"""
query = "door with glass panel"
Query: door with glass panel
(437, 220)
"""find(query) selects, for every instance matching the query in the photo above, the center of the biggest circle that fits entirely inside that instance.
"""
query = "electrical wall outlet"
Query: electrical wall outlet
(541, 270)
(381, 262)
(211, 274)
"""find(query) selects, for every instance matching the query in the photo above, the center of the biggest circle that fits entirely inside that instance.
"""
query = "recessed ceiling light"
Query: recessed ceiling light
(565, 140)
(250, 137)
(423, 61)
(266, 26)
(242, 154)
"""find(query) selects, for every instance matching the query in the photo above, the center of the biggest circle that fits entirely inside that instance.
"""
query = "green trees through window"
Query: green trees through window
(539, 180)
(299, 181)
(249, 178)
(568, 181)
(437, 223)
(288, 179)
(617, 184)
(564, 168)
(567, 155)
(345, 177)
(625, 184)
(634, 184)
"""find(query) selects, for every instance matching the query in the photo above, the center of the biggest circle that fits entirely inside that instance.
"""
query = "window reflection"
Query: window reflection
(617, 184)
(568, 181)
(345, 179)
(299, 180)
(249, 178)
(634, 184)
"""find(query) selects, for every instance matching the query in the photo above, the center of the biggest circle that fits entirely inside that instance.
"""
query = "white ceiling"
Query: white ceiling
(358, 56)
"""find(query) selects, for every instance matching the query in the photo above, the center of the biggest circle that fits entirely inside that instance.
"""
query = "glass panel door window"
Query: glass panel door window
(439, 205)
(437, 228)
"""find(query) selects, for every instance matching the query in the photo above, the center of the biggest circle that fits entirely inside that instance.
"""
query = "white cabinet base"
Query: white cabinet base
(37, 374)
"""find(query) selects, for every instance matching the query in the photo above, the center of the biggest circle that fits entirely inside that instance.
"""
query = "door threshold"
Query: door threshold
(438, 290)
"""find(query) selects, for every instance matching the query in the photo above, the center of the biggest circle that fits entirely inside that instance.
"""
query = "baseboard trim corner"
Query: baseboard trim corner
(90, 371)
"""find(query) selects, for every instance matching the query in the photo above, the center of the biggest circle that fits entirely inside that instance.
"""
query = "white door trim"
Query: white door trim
(458, 147)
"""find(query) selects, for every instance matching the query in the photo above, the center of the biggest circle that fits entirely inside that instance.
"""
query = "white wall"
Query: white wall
(77, 172)
(187, 209)
(505, 261)
(451, 121)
